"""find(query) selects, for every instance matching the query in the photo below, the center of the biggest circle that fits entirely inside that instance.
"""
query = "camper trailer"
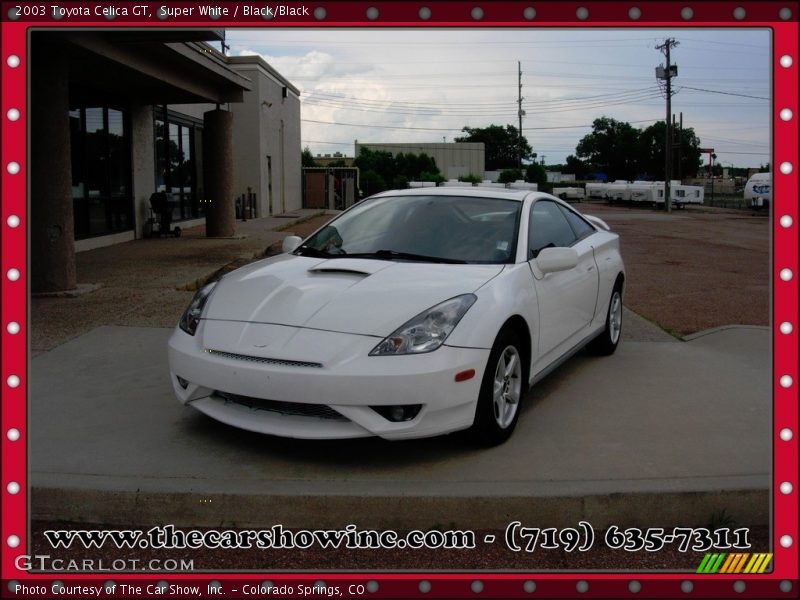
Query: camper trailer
(455, 183)
(619, 190)
(646, 192)
(569, 193)
(686, 194)
(521, 184)
(758, 190)
(595, 190)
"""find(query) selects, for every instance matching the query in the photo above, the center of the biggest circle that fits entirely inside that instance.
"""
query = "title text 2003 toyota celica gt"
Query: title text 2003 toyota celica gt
(414, 313)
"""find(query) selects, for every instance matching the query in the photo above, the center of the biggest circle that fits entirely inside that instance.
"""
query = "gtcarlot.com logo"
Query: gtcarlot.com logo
(45, 562)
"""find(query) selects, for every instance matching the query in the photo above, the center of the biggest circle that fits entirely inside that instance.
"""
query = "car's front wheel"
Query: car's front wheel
(502, 388)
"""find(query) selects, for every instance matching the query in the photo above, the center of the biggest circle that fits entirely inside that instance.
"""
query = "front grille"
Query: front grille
(319, 411)
(268, 361)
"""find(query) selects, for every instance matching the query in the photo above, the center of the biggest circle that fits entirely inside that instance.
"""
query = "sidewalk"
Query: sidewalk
(140, 281)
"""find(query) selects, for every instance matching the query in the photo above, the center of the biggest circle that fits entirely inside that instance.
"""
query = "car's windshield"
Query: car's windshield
(458, 229)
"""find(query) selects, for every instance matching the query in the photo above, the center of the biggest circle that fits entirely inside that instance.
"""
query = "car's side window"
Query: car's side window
(579, 225)
(548, 228)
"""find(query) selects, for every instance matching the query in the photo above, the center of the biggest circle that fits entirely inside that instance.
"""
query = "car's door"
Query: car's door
(566, 299)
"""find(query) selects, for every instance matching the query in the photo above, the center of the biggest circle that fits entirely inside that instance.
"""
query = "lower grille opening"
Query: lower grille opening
(319, 411)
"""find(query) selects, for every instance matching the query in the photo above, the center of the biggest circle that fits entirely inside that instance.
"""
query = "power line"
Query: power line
(721, 92)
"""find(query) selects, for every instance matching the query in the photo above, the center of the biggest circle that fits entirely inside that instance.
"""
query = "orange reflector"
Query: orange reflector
(464, 375)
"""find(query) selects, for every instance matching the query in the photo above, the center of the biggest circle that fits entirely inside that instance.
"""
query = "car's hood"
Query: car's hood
(362, 296)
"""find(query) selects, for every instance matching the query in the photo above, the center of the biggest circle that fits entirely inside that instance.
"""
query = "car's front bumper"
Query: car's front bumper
(339, 374)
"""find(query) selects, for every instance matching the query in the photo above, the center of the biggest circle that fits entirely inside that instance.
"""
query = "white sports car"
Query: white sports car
(414, 313)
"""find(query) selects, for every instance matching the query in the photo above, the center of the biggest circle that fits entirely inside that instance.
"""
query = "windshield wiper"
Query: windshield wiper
(394, 255)
(309, 251)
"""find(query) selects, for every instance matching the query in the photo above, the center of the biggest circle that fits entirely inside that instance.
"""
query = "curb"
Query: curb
(705, 332)
(194, 509)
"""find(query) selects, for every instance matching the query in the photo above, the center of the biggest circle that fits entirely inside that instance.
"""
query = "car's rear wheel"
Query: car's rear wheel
(606, 343)
(504, 383)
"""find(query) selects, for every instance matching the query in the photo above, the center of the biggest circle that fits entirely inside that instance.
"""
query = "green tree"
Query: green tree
(535, 173)
(413, 166)
(575, 166)
(502, 144)
(431, 176)
(400, 182)
(651, 152)
(509, 176)
(612, 147)
(397, 170)
(471, 178)
(307, 159)
(380, 162)
(371, 183)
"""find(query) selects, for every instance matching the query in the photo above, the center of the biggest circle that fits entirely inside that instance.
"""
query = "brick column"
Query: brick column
(52, 234)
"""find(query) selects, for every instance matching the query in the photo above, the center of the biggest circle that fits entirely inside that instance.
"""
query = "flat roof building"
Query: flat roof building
(118, 115)
(454, 160)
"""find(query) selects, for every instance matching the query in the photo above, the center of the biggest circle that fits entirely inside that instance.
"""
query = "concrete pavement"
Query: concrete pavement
(662, 433)
(145, 282)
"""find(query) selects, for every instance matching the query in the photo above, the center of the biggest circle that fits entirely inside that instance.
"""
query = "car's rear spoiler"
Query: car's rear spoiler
(597, 221)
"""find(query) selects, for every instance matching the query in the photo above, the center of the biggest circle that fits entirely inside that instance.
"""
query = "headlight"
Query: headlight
(428, 330)
(191, 316)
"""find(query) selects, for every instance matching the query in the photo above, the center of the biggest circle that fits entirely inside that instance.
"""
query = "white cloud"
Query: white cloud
(446, 78)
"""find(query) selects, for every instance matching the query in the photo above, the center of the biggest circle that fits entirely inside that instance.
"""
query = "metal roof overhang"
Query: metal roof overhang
(149, 70)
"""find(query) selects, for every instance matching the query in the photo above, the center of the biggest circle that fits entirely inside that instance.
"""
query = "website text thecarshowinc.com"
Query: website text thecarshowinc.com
(517, 538)
(276, 537)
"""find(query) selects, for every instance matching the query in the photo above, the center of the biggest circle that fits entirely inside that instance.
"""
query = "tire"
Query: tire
(503, 386)
(176, 232)
(606, 343)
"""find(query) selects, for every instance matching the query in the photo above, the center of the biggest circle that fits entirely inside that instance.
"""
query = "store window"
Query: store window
(178, 142)
(101, 170)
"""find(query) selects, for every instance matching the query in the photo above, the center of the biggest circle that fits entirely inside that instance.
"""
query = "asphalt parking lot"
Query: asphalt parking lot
(664, 431)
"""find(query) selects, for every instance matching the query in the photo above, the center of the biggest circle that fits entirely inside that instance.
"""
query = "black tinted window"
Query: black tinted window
(579, 226)
(548, 228)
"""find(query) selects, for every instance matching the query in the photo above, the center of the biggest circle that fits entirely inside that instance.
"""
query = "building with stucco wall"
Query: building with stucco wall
(117, 115)
(454, 159)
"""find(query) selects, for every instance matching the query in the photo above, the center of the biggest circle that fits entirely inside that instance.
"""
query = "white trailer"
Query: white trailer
(569, 193)
(681, 195)
(646, 192)
(758, 190)
(596, 190)
(491, 184)
(618, 190)
(520, 184)
(456, 183)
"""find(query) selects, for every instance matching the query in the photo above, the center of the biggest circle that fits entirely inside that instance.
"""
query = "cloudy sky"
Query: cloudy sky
(406, 85)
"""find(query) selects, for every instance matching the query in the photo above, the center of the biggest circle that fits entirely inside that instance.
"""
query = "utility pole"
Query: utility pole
(520, 112)
(680, 149)
(667, 73)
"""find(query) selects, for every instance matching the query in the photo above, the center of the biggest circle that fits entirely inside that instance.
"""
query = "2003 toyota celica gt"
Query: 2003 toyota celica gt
(414, 313)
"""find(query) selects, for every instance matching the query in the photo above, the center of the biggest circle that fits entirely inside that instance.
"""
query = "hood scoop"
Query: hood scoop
(351, 266)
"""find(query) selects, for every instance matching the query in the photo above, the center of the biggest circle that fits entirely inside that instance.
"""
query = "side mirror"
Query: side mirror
(290, 243)
(551, 260)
